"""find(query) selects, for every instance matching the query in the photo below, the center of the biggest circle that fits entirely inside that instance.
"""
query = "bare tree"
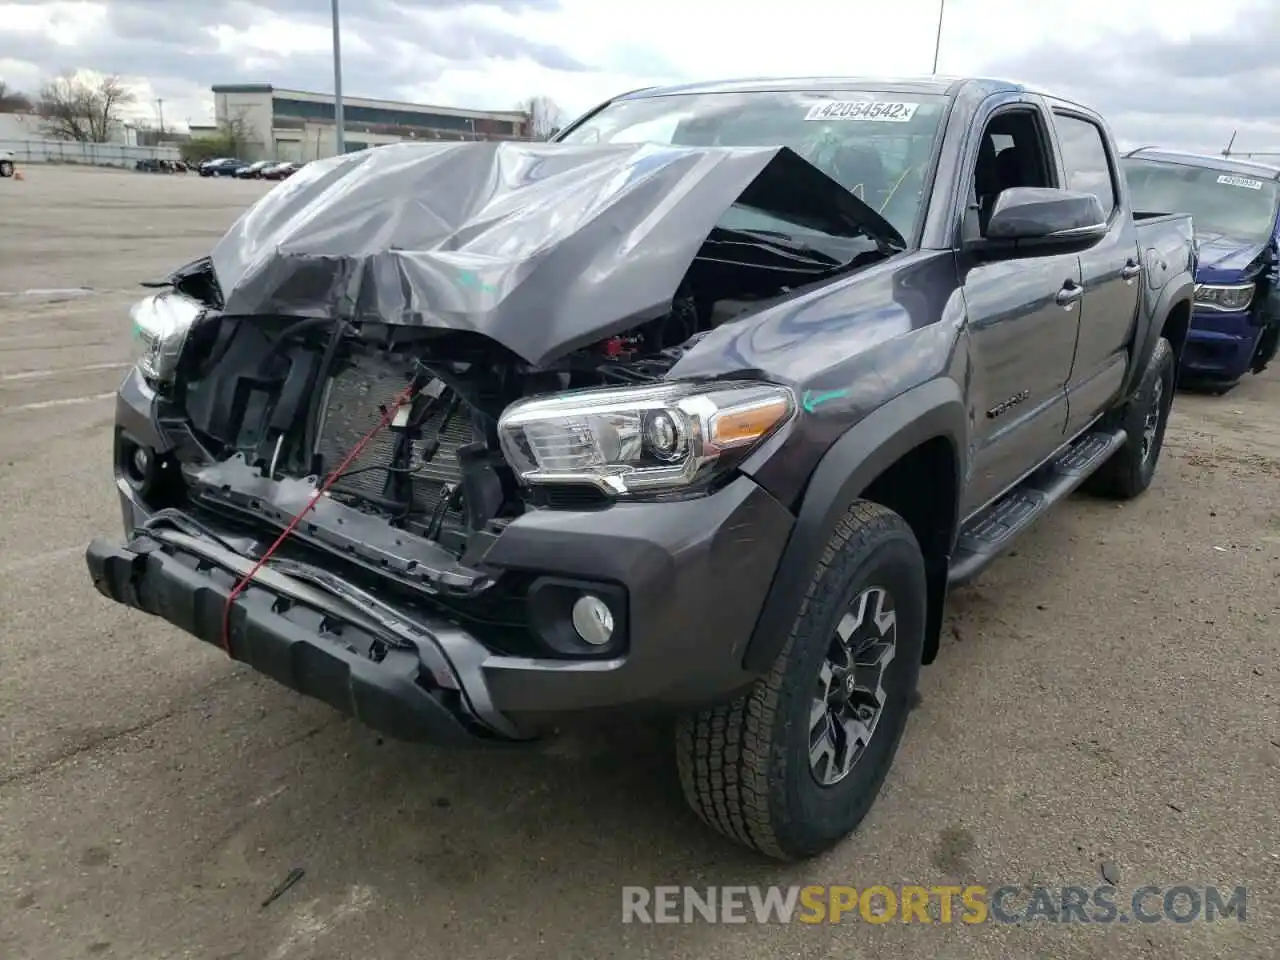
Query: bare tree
(13, 101)
(238, 133)
(545, 115)
(74, 108)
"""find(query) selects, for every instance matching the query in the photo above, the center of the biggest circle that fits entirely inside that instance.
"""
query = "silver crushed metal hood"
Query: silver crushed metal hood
(542, 247)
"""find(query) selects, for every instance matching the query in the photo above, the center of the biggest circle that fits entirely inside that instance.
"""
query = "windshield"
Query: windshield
(877, 145)
(1221, 204)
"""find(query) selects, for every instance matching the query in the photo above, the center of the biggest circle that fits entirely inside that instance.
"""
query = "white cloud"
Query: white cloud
(1152, 76)
(275, 35)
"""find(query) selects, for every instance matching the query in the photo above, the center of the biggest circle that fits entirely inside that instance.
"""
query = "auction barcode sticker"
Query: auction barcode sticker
(1240, 182)
(882, 110)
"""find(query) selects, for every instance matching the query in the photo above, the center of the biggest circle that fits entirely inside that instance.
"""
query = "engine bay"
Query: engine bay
(293, 398)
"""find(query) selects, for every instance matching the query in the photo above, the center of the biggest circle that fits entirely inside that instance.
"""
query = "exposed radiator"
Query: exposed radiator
(351, 409)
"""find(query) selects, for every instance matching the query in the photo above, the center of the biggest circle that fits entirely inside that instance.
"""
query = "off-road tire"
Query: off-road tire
(6, 168)
(745, 766)
(1128, 472)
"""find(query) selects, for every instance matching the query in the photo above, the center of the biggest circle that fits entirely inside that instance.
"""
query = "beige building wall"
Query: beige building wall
(295, 133)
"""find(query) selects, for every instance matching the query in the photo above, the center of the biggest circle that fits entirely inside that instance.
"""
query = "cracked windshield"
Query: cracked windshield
(877, 145)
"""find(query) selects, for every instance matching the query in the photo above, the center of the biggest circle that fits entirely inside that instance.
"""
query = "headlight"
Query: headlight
(161, 324)
(640, 439)
(1235, 296)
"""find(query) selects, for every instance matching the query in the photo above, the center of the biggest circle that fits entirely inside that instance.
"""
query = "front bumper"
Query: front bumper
(302, 639)
(1220, 345)
(694, 574)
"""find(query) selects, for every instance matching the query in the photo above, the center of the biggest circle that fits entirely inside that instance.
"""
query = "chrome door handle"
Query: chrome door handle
(1068, 295)
(1131, 270)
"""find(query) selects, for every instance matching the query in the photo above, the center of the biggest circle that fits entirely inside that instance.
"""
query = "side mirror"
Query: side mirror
(1046, 217)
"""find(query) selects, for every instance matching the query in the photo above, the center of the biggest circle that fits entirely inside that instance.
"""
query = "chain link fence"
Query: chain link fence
(93, 154)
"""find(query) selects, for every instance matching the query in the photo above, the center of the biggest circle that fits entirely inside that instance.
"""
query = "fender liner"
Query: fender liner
(1180, 288)
(935, 409)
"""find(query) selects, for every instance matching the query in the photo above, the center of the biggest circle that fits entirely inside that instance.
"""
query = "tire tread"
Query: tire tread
(1121, 476)
(727, 764)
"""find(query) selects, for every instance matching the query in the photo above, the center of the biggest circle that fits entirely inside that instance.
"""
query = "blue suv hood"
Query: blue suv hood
(1226, 260)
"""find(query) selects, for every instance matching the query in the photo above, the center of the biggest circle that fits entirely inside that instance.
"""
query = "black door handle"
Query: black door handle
(1068, 295)
(1131, 270)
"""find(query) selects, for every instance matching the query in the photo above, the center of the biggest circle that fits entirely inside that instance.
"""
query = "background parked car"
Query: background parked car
(281, 171)
(154, 165)
(1235, 204)
(254, 170)
(221, 167)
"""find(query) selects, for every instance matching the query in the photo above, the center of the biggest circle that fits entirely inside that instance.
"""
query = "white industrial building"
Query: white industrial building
(279, 124)
(31, 127)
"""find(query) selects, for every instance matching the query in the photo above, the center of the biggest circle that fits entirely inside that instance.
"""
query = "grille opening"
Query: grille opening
(410, 472)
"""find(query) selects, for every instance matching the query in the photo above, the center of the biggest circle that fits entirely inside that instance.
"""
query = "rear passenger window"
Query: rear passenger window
(1084, 154)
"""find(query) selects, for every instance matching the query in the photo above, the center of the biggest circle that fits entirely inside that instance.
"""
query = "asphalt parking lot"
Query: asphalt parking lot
(1106, 700)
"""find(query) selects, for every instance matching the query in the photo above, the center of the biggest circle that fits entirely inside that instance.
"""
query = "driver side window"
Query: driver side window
(1012, 153)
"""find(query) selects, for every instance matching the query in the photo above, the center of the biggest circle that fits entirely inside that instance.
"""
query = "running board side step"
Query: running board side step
(993, 531)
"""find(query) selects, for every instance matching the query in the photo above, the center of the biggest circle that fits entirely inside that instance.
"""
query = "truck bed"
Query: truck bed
(1163, 239)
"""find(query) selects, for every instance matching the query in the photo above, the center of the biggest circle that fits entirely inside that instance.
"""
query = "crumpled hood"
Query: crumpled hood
(1224, 259)
(542, 247)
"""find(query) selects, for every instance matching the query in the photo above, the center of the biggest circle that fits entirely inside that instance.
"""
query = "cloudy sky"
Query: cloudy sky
(1182, 72)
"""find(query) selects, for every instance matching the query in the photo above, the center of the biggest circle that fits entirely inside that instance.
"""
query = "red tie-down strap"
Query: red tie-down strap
(387, 416)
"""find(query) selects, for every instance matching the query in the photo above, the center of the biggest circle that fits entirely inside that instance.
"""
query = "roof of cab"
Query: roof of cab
(973, 88)
(942, 86)
(1209, 161)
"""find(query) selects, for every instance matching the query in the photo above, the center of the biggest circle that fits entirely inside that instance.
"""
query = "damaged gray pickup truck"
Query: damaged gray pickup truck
(698, 410)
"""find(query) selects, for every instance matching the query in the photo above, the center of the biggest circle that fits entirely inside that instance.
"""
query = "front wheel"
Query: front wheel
(791, 767)
(6, 168)
(1129, 471)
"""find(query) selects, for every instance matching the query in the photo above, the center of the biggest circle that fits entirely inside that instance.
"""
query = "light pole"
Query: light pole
(160, 110)
(937, 42)
(340, 136)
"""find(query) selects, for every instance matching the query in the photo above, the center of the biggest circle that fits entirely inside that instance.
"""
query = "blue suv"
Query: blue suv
(1235, 209)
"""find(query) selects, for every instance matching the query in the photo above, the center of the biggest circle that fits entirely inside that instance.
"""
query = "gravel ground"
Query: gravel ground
(1108, 696)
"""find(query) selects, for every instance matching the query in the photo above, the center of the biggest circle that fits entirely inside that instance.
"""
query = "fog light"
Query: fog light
(138, 464)
(141, 461)
(593, 620)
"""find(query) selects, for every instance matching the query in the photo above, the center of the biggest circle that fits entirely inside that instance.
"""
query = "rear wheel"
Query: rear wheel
(792, 767)
(6, 168)
(1129, 471)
